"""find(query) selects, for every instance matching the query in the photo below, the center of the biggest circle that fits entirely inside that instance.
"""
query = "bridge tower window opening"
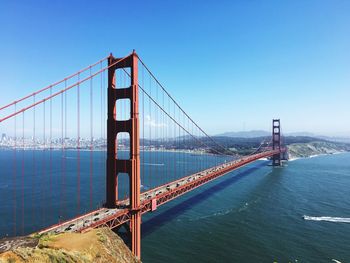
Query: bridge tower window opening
(115, 126)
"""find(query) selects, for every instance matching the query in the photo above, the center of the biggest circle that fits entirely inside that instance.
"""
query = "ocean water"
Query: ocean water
(297, 213)
(41, 188)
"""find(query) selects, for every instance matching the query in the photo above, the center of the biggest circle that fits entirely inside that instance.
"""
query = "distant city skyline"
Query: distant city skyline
(232, 65)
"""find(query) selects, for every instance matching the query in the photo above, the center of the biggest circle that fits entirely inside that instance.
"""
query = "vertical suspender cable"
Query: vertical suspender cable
(14, 177)
(143, 133)
(188, 155)
(43, 183)
(175, 143)
(156, 138)
(169, 140)
(50, 183)
(150, 137)
(183, 145)
(91, 138)
(65, 151)
(103, 124)
(101, 115)
(179, 147)
(163, 135)
(78, 146)
(62, 161)
(34, 164)
(22, 186)
(104, 115)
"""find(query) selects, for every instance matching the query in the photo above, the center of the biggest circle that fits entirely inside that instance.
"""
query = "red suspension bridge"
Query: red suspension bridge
(112, 154)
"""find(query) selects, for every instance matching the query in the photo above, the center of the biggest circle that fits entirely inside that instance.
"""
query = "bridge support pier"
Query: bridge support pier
(131, 166)
(276, 142)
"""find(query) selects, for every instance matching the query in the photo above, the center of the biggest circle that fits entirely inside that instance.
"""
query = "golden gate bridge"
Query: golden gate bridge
(116, 103)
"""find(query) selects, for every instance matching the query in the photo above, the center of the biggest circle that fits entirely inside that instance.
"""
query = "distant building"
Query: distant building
(3, 137)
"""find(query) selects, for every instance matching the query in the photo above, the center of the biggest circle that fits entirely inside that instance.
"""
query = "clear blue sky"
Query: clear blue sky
(232, 65)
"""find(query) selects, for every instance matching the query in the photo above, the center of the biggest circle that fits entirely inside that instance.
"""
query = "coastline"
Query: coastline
(294, 158)
(19, 148)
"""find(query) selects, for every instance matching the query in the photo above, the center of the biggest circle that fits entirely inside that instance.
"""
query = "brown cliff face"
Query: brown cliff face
(97, 245)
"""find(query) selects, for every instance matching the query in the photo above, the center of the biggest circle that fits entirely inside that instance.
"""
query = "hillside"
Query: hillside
(245, 134)
(298, 150)
(97, 245)
(300, 146)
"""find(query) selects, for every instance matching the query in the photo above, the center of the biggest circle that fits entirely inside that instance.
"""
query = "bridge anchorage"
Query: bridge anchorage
(180, 135)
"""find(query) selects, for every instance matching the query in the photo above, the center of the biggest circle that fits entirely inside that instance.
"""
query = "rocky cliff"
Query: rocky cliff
(97, 245)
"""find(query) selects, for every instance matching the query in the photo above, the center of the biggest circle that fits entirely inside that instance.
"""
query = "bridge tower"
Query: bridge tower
(131, 166)
(276, 141)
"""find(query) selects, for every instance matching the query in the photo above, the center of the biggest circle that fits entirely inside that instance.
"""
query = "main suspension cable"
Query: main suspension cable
(162, 87)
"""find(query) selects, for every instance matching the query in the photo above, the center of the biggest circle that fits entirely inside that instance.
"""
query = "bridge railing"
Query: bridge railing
(52, 152)
(53, 146)
(172, 145)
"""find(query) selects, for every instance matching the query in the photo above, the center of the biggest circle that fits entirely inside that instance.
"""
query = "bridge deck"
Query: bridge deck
(160, 195)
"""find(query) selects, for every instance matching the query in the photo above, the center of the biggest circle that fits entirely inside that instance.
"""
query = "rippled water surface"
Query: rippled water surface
(298, 213)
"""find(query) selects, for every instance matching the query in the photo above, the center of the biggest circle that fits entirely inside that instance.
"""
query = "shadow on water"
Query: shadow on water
(153, 223)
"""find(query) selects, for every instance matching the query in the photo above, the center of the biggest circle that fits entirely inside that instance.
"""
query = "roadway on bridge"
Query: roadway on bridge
(162, 194)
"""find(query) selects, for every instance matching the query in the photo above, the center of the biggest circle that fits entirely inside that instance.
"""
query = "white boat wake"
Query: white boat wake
(328, 219)
(154, 164)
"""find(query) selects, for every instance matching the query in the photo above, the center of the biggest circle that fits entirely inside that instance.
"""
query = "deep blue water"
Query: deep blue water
(40, 188)
(254, 214)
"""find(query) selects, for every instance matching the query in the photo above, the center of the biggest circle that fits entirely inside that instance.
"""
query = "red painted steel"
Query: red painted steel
(118, 212)
(131, 166)
(124, 216)
(59, 92)
(276, 141)
(154, 204)
(54, 84)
